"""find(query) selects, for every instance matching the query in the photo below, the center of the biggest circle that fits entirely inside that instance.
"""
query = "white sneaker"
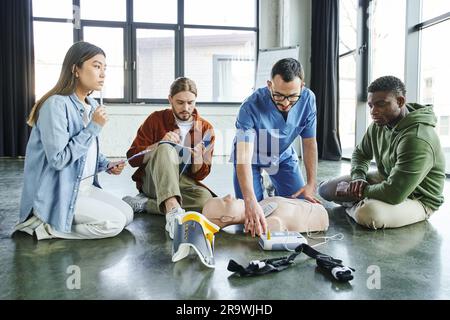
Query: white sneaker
(137, 203)
(171, 217)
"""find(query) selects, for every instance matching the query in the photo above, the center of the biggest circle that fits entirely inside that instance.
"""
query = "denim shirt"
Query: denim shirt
(55, 158)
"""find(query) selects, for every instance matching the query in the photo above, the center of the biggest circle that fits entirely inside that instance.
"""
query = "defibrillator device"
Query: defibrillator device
(281, 240)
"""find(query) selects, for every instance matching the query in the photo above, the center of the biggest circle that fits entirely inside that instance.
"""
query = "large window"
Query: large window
(156, 11)
(111, 41)
(58, 9)
(222, 61)
(434, 8)
(387, 40)
(148, 43)
(105, 10)
(372, 44)
(386, 28)
(220, 13)
(155, 53)
(48, 53)
(435, 64)
(347, 74)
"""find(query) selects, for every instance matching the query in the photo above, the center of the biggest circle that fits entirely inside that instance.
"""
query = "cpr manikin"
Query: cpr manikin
(282, 213)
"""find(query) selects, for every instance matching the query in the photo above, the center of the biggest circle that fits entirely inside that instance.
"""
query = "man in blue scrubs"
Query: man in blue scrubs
(267, 124)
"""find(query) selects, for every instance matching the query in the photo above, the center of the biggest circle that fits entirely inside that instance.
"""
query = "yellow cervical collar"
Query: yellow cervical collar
(209, 228)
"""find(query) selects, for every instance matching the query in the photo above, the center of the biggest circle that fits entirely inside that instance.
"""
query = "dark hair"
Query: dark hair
(288, 69)
(77, 54)
(183, 84)
(388, 83)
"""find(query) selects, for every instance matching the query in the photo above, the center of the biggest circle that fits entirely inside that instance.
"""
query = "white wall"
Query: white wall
(269, 35)
(118, 134)
(285, 23)
(300, 32)
(124, 121)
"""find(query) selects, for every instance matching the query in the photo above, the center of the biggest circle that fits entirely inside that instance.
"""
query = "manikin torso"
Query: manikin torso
(296, 215)
(287, 214)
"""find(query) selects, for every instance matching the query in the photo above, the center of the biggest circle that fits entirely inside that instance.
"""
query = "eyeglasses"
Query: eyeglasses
(280, 97)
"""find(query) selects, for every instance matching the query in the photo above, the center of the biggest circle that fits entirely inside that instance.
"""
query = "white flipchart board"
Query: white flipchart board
(266, 60)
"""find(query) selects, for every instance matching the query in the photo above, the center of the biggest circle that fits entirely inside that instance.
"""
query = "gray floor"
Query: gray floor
(413, 262)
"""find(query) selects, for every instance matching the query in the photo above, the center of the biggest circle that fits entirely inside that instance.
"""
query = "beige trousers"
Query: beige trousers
(162, 181)
(376, 214)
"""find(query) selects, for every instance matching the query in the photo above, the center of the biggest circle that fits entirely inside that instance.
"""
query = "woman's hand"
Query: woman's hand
(116, 167)
(99, 116)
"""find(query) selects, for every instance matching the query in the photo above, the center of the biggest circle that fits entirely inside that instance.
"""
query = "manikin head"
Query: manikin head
(290, 214)
(224, 211)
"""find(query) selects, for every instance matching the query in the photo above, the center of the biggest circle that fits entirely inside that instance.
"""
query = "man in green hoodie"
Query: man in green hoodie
(407, 187)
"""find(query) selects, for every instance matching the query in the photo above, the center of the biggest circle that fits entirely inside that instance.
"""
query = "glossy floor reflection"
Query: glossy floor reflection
(414, 261)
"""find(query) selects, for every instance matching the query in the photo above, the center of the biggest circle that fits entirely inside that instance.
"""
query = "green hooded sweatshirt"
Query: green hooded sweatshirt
(409, 157)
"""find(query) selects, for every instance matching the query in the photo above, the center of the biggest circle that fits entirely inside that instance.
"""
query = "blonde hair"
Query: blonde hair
(183, 84)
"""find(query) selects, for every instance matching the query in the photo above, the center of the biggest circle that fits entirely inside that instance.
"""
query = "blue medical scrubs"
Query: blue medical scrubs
(261, 123)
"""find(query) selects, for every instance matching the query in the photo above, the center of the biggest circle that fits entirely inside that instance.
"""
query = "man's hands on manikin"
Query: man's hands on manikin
(308, 191)
(255, 222)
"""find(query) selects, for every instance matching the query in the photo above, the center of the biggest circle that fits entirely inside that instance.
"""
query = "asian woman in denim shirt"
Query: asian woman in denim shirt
(61, 196)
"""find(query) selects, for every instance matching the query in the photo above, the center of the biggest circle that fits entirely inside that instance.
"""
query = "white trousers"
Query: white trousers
(98, 214)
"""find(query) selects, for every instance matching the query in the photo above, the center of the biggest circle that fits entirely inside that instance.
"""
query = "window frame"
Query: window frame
(362, 52)
(415, 25)
(126, 54)
(130, 46)
(355, 51)
(132, 65)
